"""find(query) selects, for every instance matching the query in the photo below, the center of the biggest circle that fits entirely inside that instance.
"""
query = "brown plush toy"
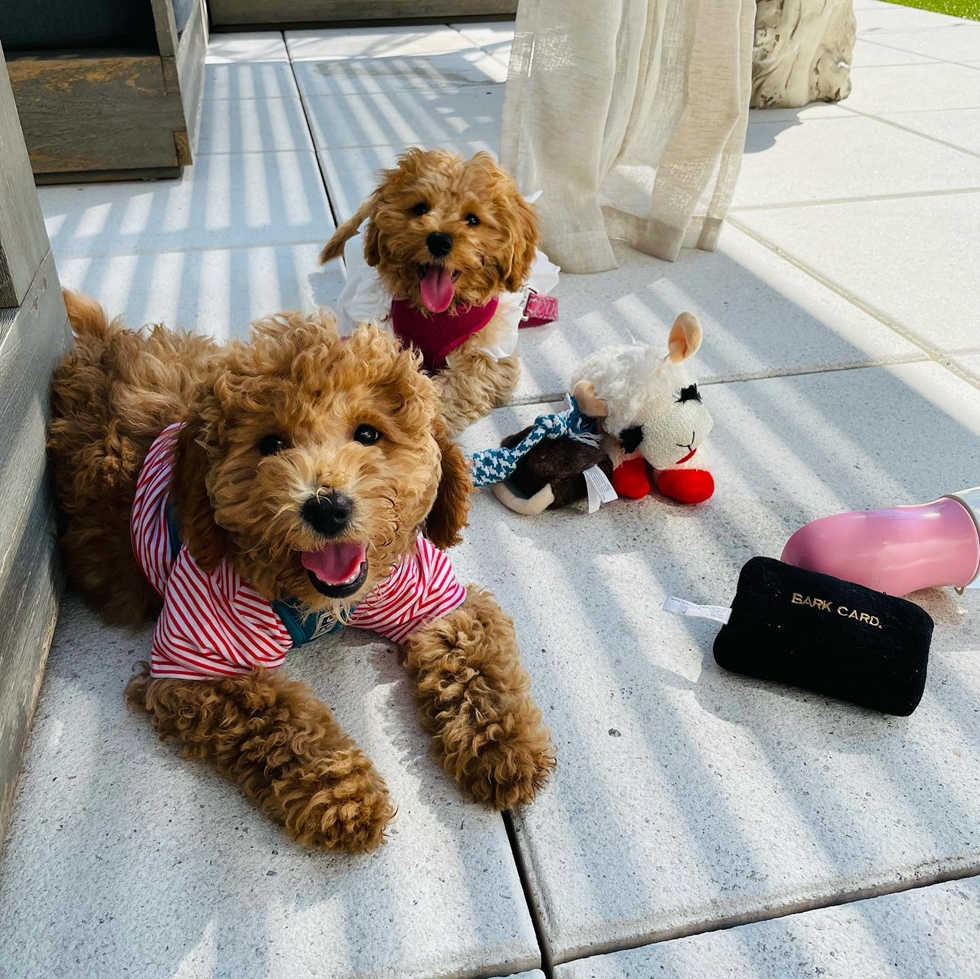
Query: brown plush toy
(552, 474)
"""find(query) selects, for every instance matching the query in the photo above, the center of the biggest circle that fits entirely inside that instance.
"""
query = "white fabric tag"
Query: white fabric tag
(600, 489)
(681, 607)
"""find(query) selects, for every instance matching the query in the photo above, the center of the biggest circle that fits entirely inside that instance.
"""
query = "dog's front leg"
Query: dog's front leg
(475, 701)
(473, 383)
(282, 746)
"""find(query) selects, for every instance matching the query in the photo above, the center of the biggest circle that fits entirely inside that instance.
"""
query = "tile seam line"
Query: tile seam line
(783, 205)
(933, 59)
(900, 360)
(855, 896)
(858, 114)
(334, 214)
(931, 353)
(916, 132)
(547, 963)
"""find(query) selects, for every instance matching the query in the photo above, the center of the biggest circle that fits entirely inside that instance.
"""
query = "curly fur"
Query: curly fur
(489, 258)
(283, 748)
(297, 379)
(475, 700)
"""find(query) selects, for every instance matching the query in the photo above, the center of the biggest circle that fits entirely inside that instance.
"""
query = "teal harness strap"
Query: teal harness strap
(495, 465)
(303, 626)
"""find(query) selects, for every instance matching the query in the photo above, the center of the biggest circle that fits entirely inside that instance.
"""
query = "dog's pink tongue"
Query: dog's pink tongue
(335, 564)
(437, 288)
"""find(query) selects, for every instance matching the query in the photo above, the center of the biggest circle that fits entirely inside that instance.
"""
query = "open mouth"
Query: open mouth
(337, 570)
(437, 285)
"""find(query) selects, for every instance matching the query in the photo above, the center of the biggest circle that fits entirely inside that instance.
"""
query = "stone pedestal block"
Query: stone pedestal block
(802, 52)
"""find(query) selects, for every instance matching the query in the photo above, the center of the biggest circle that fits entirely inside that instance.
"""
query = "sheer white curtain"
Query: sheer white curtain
(630, 116)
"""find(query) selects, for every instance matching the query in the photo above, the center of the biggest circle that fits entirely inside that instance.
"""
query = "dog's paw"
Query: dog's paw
(503, 771)
(336, 803)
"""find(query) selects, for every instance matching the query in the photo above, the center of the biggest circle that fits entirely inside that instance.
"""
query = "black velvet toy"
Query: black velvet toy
(827, 635)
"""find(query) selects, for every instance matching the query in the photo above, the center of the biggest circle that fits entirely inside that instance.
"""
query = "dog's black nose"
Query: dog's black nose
(329, 513)
(440, 244)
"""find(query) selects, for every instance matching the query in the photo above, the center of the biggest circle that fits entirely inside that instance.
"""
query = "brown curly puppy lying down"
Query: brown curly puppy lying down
(254, 496)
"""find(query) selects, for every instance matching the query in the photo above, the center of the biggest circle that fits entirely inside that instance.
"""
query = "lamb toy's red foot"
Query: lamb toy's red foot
(686, 485)
(631, 480)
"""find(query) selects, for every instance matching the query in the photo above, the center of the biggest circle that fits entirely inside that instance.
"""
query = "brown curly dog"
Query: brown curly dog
(255, 495)
(447, 234)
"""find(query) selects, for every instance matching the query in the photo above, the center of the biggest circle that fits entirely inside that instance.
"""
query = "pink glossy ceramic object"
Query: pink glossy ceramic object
(897, 550)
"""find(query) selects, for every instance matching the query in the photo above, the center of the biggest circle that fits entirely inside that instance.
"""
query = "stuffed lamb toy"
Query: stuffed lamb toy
(635, 420)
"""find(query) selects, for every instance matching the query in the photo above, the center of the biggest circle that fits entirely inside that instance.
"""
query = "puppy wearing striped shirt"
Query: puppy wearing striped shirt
(254, 496)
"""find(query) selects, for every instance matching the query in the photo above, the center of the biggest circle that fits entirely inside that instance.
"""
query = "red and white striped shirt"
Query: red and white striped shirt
(216, 624)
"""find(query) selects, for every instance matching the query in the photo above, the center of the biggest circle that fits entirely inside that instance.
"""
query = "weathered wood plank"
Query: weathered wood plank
(227, 13)
(23, 240)
(191, 53)
(166, 26)
(95, 111)
(33, 338)
(108, 176)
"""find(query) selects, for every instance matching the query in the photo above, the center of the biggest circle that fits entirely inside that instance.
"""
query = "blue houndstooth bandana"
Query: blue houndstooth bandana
(495, 465)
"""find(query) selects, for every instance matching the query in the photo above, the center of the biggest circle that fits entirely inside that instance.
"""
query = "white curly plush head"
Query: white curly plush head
(648, 402)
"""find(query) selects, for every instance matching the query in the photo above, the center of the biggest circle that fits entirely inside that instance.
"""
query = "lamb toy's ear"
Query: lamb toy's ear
(684, 339)
(588, 401)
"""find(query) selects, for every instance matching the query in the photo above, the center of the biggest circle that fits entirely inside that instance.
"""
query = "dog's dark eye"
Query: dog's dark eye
(420, 209)
(690, 393)
(366, 434)
(472, 220)
(271, 445)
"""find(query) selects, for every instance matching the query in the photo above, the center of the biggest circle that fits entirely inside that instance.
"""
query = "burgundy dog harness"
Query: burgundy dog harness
(437, 335)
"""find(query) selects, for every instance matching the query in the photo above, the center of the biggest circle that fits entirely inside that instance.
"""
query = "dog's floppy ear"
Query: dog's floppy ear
(372, 250)
(448, 515)
(526, 238)
(204, 538)
(334, 248)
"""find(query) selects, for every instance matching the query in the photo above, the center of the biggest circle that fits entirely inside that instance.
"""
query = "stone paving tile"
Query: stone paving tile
(253, 126)
(685, 797)
(884, 253)
(214, 291)
(868, 54)
(495, 37)
(958, 44)
(373, 42)
(246, 48)
(894, 18)
(124, 859)
(819, 110)
(223, 200)
(959, 127)
(926, 932)
(760, 316)
(847, 157)
(969, 365)
(262, 80)
(418, 73)
(913, 88)
(406, 117)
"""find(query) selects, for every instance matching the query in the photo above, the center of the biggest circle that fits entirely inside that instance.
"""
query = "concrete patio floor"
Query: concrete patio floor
(699, 824)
